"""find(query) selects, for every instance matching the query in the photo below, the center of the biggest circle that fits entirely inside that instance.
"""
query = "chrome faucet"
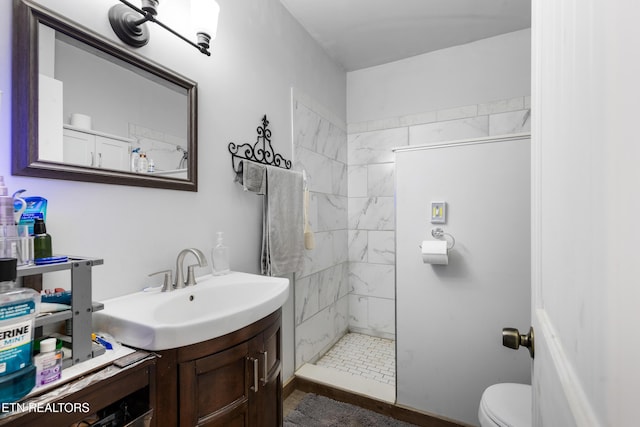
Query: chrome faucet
(191, 279)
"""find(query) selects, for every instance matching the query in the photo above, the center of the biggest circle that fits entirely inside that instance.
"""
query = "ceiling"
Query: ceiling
(363, 33)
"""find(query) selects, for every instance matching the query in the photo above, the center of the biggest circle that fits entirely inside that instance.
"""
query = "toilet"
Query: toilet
(505, 405)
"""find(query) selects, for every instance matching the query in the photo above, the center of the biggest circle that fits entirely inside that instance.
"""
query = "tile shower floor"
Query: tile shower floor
(364, 356)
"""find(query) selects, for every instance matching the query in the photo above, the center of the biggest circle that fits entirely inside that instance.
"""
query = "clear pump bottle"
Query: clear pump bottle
(220, 257)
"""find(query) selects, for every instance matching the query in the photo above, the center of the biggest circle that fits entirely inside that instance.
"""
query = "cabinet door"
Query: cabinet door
(267, 402)
(78, 147)
(214, 390)
(112, 153)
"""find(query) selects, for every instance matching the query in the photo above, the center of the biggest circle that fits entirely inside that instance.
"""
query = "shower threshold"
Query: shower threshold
(359, 364)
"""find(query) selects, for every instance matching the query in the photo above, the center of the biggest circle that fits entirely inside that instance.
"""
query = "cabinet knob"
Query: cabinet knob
(512, 338)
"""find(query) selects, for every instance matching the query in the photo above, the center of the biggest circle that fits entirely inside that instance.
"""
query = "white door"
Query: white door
(585, 210)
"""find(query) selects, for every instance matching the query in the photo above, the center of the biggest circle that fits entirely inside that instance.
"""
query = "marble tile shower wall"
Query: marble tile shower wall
(371, 221)
(321, 287)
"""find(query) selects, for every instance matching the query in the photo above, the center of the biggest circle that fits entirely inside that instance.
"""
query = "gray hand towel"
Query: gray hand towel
(282, 226)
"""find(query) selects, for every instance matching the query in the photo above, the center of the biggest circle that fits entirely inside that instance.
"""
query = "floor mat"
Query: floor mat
(317, 411)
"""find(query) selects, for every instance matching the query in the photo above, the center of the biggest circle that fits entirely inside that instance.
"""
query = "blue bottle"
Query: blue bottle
(18, 309)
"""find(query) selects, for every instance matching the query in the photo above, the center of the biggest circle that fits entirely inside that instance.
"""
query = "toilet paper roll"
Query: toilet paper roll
(435, 252)
(81, 121)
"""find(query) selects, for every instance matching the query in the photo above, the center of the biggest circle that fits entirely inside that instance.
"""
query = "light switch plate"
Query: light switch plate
(438, 212)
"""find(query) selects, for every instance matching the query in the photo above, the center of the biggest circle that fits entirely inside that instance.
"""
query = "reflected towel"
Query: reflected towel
(282, 224)
(252, 176)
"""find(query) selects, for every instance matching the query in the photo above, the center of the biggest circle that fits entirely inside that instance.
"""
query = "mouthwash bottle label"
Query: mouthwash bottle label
(15, 337)
(22, 308)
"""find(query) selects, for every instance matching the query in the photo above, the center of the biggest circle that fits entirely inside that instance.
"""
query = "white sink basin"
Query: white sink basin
(217, 305)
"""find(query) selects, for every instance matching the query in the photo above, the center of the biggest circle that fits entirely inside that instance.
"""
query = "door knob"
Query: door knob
(513, 339)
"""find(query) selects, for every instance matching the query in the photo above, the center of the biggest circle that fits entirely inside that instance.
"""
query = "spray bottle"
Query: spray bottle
(6, 205)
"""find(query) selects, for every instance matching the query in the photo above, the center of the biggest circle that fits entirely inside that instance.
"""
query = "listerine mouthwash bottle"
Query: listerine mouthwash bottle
(18, 309)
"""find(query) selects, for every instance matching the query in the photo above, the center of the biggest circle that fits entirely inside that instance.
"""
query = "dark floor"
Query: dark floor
(292, 401)
(384, 408)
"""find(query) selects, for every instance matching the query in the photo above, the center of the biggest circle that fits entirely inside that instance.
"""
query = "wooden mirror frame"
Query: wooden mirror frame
(25, 161)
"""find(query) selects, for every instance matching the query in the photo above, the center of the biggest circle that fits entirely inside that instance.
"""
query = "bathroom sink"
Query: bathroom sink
(217, 305)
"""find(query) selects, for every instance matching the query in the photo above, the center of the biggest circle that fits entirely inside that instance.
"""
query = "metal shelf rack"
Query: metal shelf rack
(82, 307)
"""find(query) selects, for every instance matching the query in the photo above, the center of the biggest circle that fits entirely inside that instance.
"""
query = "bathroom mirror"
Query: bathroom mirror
(86, 109)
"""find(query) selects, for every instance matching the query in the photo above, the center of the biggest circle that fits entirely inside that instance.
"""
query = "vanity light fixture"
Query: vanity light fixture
(128, 22)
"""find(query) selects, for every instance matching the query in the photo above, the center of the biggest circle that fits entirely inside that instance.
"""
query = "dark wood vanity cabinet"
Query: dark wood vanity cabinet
(214, 390)
(267, 407)
(233, 380)
(109, 395)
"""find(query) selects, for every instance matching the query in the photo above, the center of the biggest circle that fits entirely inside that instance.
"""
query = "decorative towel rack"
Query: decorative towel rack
(260, 152)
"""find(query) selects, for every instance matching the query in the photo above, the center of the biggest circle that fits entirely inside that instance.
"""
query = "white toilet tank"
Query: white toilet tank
(506, 405)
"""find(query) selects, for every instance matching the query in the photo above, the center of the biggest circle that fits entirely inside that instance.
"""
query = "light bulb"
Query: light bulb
(204, 18)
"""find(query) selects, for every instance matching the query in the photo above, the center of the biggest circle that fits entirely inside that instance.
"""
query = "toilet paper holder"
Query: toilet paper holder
(436, 252)
(439, 233)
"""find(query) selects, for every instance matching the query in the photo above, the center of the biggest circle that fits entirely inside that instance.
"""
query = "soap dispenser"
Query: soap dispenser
(220, 257)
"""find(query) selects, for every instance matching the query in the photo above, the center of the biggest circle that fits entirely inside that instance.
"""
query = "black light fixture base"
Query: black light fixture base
(124, 22)
(204, 40)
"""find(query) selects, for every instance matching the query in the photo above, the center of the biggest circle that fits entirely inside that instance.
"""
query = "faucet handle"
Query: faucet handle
(191, 277)
(168, 279)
